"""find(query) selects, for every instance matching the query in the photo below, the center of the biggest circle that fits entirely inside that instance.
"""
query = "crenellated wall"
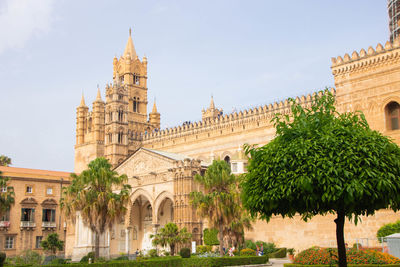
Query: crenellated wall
(225, 135)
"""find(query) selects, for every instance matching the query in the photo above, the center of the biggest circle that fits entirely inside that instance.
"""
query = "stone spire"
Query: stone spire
(98, 98)
(130, 48)
(212, 105)
(82, 101)
(154, 107)
(212, 112)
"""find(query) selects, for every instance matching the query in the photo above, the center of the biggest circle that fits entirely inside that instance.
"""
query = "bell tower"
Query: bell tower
(130, 71)
(115, 128)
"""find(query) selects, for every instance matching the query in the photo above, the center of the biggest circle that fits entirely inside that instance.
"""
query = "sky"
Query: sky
(243, 53)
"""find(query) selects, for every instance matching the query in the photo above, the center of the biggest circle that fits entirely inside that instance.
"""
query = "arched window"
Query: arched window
(109, 138)
(135, 78)
(110, 116)
(120, 135)
(228, 160)
(120, 115)
(393, 116)
(135, 105)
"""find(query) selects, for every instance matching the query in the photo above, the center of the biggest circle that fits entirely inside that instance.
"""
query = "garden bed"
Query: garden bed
(171, 262)
(348, 265)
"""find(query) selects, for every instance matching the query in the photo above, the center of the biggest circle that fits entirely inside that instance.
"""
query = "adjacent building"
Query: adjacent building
(36, 211)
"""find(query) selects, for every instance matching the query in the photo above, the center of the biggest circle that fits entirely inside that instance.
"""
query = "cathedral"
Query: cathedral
(161, 163)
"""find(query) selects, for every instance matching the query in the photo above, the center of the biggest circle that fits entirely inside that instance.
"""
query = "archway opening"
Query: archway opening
(392, 112)
(141, 223)
(165, 212)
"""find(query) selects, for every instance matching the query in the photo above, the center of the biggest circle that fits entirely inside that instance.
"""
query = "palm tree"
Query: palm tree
(171, 236)
(6, 196)
(99, 194)
(4, 160)
(217, 204)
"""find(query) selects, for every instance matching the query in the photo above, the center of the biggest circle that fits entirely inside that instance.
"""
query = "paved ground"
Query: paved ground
(279, 262)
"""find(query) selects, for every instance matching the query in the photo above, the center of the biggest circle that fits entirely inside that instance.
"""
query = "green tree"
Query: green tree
(218, 202)
(323, 162)
(99, 194)
(52, 243)
(6, 196)
(388, 229)
(4, 160)
(170, 235)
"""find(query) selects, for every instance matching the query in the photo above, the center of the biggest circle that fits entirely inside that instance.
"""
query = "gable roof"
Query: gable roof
(169, 155)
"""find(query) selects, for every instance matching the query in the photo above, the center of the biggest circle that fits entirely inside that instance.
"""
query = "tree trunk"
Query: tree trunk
(340, 239)
(97, 246)
(221, 240)
(172, 248)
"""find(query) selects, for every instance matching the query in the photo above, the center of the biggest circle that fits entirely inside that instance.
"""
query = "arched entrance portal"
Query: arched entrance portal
(142, 223)
(165, 212)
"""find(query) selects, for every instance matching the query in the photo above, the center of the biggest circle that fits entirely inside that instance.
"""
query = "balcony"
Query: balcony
(4, 225)
(48, 224)
(27, 224)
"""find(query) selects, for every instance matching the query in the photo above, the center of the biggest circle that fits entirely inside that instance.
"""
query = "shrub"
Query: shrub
(203, 249)
(247, 252)
(28, 257)
(211, 237)
(317, 255)
(152, 253)
(122, 258)
(250, 244)
(268, 247)
(3, 257)
(280, 253)
(185, 252)
(388, 229)
(223, 261)
(58, 261)
(86, 258)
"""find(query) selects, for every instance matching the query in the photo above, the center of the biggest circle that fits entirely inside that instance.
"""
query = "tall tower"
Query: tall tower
(89, 133)
(116, 125)
(132, 73)
(115, 129)
(394, 18)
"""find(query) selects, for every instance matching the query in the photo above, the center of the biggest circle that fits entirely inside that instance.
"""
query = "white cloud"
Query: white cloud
(20, 20)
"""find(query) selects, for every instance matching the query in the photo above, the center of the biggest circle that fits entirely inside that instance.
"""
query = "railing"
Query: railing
(27, 224)
(49, 224)
(4, 224)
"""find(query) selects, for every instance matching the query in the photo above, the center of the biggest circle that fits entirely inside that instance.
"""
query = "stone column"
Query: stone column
(127, 247)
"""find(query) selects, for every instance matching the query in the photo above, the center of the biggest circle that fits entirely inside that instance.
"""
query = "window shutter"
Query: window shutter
(43, 215)
(53, 215)
(22, 214)
(33, 215)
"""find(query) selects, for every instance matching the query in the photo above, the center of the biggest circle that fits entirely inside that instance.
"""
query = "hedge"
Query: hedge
(153, 262)
(211, 237)
(223, 261)
(280, 253)
(348, 265)
(175, 262)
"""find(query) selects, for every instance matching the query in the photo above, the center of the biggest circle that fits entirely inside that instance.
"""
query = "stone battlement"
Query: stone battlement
(229, 120)
(364, 59)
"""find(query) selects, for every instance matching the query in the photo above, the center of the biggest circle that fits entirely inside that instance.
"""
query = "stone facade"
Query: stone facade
(367, 81)
(161, 185)
(36, 211)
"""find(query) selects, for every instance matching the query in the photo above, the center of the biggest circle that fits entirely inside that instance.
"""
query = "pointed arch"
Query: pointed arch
(141, 192)
(161, 197)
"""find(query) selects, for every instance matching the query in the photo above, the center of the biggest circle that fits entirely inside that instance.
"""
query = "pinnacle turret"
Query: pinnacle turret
(154, 108)
(130, 48)
(212, 105)
(98, 98)
(82, 101)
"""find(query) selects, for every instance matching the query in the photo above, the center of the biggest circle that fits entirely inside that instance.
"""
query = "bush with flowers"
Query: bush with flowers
(317, 256)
